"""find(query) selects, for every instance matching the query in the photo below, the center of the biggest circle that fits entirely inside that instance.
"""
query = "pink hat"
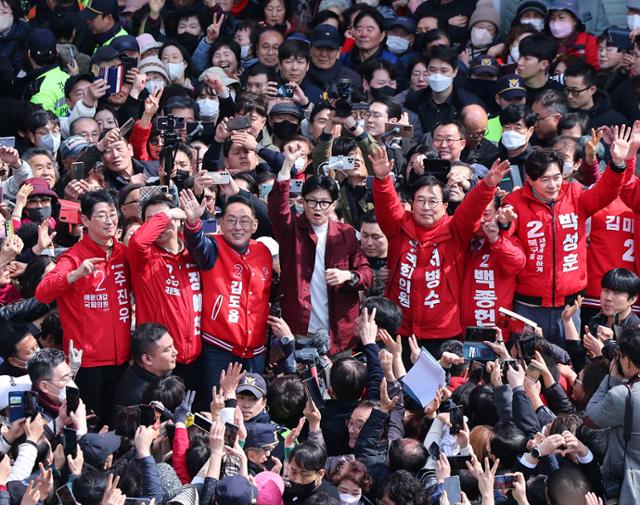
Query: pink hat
(146, 42)
(270, 488)
(134, 5)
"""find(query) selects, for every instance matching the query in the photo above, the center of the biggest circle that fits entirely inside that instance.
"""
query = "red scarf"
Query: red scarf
(237, 8)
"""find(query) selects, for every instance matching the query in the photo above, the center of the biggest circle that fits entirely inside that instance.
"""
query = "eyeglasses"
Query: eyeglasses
(130, 202)
(440, 140)
(575, 91)
(540, 119)
(244, 223)
(312, 204)
(103, 216)
(432, 203)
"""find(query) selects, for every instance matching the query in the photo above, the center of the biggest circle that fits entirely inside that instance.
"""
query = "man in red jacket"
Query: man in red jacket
(323, 266)
(90, 284)
(491, 266)
(236, 281)
(427, 248)
(551, 226)
(166, 281)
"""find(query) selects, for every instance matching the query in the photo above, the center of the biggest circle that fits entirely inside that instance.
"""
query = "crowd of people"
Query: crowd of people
(319, 252)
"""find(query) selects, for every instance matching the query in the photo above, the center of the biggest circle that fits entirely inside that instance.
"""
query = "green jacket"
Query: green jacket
(121, 32)
(47, 89)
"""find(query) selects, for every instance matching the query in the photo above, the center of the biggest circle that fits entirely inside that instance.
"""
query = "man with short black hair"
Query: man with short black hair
(293, 64)
(583, 95)
(17, 345)
(50, 375)
(103, 20)
(90, 284)
(323, 266)
(153, 355)
(536, 54)
(236, 280)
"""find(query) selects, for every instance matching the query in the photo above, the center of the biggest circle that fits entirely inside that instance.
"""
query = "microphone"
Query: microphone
(391, 133)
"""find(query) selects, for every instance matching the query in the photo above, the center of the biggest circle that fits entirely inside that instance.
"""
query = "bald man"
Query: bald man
(478, 149)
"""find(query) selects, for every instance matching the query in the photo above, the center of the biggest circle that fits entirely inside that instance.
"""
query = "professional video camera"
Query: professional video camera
(171, 130)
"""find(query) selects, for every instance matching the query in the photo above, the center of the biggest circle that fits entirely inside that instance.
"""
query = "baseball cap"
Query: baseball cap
(511, 87)
(484, 64)
(40, 187)
(104, 54)
(235, 490)
(405, 22)
(97, 447)
(260, 435)
(42, 43)
(220, 74)
(125, 43)
(325, 36)
(286, 108)
(538, 6)
(253, 383)
(571, 6)
(100, 8)
(299, 36)
(73, 146)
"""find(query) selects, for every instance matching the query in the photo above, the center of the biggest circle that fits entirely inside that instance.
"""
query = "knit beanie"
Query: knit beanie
(485, 11)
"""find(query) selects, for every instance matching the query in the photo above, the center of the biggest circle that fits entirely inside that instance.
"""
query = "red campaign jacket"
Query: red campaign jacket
(489, 280)
(584, 46)
(611, 244)
(166, 287)
(95, 311)
(427, 264)
(297, 258)
(236, 298)
(555, 239)
(630, 195)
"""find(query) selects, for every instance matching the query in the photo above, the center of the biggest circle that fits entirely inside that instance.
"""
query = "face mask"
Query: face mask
(561, 29)
(378, 93)
(348, 499)
(188, 41)
(175, 71)
(38, 215)
(245, 51)
(208, 108)
(62, 392)
(513, 140)
(360, 123)
(439, 82)
(151, 85)
(300, 164)
(633, 21)
(480, 37)
(537, 23)
(567, 168)
(180, 177)
(372, 3)
(6, 22)
(515, 54)
(300, 490)
(285, 129)
(50, 142)
(397, 45)
(298, 209)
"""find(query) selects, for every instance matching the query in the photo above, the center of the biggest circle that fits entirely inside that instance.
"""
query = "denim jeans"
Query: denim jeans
(549, 319)
(214, 360)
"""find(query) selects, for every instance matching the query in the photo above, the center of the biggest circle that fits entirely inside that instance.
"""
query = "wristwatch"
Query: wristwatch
(535, 453)
(355, 278)
(353, 128)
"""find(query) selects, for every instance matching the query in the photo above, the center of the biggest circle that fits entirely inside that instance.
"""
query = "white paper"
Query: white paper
(425, 377)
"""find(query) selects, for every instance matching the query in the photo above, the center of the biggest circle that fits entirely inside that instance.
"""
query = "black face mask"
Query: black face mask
(300, 490)
(378, 93)
(180, 177)
(188, 41)
(38, 215)
(285, 129)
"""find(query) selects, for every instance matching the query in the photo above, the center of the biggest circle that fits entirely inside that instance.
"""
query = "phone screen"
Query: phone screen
(147, 415)
(456, 417)
(230, 434)
(65, 495)
(73, 399)
(30, 404)
(314, 392)
(458, 462)
(16, 406)
(503, 481)
(202, 422)
(480, 334)
(70, 442)
(452, 487)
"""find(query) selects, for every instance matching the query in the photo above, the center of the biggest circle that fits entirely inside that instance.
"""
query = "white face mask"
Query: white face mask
(515, 54)
(348, 499)
(567, 168)
(480, 37)
(244, 51)
(151, 85)
(175, 71)
(513, 140)
(208, 108)
(397, 45)
(439, 82)
(300, 164)
(360, 123)
(537, 23)
(50, 142)
(6, 22)
(633, 21)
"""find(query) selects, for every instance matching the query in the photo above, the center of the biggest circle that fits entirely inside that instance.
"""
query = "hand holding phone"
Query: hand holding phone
(230, 434)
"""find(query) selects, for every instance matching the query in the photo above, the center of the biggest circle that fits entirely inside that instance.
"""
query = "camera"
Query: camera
(341, 93)
(171, 129)
(169, 123)
(611, 349)
(285, 91)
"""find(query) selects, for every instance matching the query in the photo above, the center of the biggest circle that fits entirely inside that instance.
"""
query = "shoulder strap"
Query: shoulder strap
(628, 419)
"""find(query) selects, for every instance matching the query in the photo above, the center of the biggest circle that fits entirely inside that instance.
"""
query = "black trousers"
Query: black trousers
(97, 386)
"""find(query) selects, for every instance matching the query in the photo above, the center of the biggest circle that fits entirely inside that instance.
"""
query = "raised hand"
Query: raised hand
(498, 171)
(415, 348)
(386, 404)
(213, 30)
(113, 495)
(506, 215)
(591, 146)
(11, 157)
(620, 145)
(570, 310)
(592, 345)
(368, 328)
(152, 103)
(380, 162)
(230, 378)
(191, 207)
